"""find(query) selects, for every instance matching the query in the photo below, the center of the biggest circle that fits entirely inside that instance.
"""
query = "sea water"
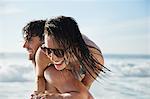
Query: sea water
(129, 77)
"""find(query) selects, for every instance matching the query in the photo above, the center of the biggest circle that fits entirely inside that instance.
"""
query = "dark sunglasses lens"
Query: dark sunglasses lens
(43, 48)
(58, 52)
(48, 51)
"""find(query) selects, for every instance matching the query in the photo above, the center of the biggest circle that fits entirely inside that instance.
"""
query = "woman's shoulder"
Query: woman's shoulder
(41, 58)
(89, 42)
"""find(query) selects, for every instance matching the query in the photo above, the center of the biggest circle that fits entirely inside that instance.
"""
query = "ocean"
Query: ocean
(129, 77)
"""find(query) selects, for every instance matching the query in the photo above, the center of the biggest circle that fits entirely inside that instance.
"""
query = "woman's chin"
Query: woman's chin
(60, 66)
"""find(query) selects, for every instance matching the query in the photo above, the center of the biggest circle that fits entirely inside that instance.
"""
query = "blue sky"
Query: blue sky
(116, 26)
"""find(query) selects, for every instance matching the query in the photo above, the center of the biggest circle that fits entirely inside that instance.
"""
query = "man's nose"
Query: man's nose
(25, 44)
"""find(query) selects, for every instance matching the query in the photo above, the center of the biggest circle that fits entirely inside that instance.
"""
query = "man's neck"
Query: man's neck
(33, 62)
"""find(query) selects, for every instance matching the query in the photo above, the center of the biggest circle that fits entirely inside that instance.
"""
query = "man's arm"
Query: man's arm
(66, 84)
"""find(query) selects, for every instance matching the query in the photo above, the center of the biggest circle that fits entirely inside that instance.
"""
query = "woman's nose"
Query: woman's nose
(53, 57)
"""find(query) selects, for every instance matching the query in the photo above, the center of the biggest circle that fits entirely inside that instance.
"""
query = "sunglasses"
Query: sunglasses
(57, 52)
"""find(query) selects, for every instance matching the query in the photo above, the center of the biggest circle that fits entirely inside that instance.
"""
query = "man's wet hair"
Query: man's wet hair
(34, 28)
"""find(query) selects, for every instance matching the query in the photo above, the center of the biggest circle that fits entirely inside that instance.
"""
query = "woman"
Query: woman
(70, 56)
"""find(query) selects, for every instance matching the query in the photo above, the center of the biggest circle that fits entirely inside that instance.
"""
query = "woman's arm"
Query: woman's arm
(88, 79)
(42, 62)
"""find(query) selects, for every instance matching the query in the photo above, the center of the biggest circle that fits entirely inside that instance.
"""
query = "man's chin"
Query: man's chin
(31, 57)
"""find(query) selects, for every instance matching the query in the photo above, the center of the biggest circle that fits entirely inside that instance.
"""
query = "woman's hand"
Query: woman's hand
(37, 95)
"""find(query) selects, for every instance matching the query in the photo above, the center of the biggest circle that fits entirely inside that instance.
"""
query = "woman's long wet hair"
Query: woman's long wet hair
(67, 34)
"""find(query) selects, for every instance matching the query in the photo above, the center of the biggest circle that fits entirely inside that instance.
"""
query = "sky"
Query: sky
(116, 26)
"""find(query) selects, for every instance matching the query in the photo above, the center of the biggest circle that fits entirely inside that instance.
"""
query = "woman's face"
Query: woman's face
(55, 53)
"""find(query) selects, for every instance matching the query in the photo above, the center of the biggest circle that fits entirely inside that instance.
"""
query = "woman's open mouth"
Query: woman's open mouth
(58, 64)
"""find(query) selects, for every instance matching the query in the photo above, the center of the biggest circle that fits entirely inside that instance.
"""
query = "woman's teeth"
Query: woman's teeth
(58, 63)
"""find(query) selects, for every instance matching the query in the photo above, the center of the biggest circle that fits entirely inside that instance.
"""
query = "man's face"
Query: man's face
(31, 46)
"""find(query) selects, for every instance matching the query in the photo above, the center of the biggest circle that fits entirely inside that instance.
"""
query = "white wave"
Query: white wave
(141, 70)
(130, 68)
(16, 73)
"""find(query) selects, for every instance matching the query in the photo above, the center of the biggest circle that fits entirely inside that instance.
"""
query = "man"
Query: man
(33, 35)
(33, 39)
